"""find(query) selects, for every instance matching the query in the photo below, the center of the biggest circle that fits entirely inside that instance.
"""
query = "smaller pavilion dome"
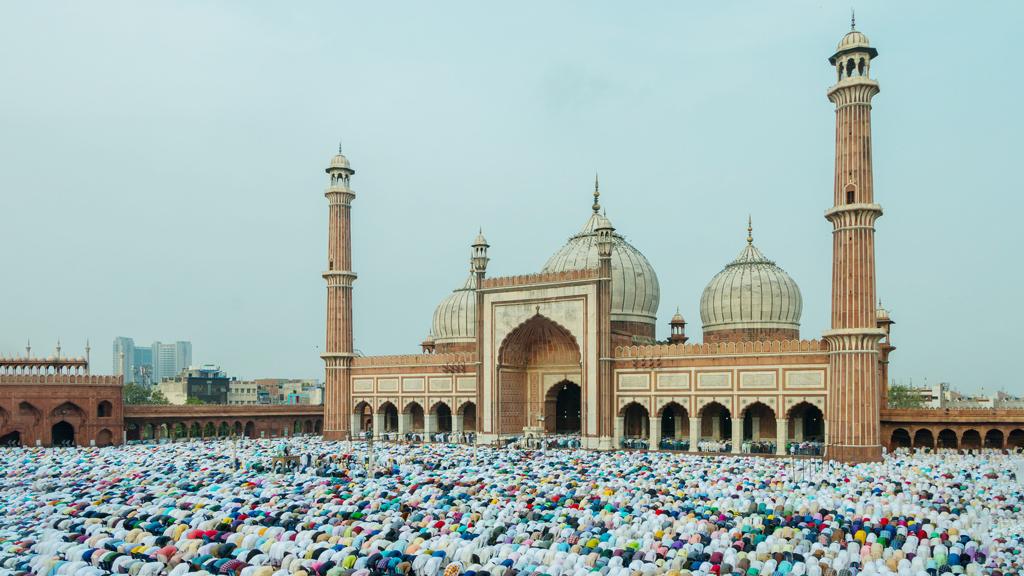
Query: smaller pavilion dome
(677, 318)
(853, 39)
(340, 161)
(881, 314)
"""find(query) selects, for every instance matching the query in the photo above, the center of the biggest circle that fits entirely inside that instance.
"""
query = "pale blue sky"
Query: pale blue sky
(162, 171)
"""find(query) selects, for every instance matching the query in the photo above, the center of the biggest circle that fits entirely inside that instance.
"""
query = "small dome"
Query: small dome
(635, 290)
(751, 293)
(455, 316)
(882, 314)
(853, 39)
(677, 318)
(339, 161)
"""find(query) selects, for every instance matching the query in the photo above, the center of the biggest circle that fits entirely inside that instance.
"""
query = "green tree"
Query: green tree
(138, 394)
(194, 401)
(135, 394)
(904, 397)
(157, 397)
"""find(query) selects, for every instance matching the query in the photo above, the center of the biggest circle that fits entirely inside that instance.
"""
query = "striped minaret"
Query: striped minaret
(852, 428)
(338, 352)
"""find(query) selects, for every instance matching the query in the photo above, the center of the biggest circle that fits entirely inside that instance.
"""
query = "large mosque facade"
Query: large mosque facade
(572, 349)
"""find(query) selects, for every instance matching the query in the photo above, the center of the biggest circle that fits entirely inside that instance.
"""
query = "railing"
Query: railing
(674, 444)
(805, 448)
(635, 443)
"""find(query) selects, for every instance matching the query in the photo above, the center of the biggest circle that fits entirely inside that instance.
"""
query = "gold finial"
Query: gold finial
(750, 230)
(339, 146)
(597, 194)
(853, 20)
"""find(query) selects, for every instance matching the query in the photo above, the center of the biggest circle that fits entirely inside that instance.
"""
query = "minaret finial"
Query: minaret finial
(750, 229)
(853, 20)
(339, 146)
(597, 194)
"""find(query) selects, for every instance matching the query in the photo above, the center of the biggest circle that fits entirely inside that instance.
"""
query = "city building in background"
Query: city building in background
(206, 384)
(242, 392)
(146, 365)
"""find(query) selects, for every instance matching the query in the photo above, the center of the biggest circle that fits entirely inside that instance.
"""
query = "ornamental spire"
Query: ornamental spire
(597, 195)
(750, 230)
(853, 20)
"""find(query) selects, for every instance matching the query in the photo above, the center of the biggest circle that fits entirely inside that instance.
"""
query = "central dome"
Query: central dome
(635, 291)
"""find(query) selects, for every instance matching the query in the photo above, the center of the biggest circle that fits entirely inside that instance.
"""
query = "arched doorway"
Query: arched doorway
(468, 410)
(947, 439)
(806, 423)
(994, 439)
(104, 409)
(104, 438)
(180, 431)
(443, 417)
(389, 414)
(900, 439)
(236, 429)
(675, 422)
(224, 430)
(1015, 439)
(195, 431)
(364, 417)
(923, 438)
(715, 422)
(565, 402)
(971, 440)
(250, 429)
(759, 423)
(62, 434)
(414, 415)
(307, 427)
(538, 347)
(635, 421)
(11, 439)
(209, 431)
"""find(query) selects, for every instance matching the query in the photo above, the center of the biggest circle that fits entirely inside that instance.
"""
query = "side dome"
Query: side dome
(455, 317)
(635, 290)
(751, 299)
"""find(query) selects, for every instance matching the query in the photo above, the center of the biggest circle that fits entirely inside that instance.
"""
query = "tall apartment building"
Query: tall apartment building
(150, 364)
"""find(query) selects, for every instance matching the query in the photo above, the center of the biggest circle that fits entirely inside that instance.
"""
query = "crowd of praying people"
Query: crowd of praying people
(448, 509)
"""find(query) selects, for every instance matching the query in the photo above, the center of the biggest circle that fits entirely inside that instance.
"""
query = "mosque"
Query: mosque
(572, 348)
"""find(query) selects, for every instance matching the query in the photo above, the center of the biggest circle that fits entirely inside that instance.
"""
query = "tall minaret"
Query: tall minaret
(853, 431)
(338, 352)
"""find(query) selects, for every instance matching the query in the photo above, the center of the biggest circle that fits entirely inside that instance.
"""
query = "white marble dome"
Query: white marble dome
(751, 293)
(635, 291)
(455, 316)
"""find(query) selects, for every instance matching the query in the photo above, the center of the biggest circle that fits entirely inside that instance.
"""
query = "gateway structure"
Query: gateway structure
(572, 348)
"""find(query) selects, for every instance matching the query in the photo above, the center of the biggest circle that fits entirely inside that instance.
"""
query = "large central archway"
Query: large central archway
(537, 357)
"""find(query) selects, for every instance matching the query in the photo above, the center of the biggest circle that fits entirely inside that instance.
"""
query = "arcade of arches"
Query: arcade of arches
(413, 419)
(715, 422)
(959, 437)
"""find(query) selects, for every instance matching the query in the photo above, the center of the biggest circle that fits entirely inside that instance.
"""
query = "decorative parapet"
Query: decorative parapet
(950, 415)
(58, 380)
(722, 349)
(541, 278)
(220, 410)
(452, 358)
